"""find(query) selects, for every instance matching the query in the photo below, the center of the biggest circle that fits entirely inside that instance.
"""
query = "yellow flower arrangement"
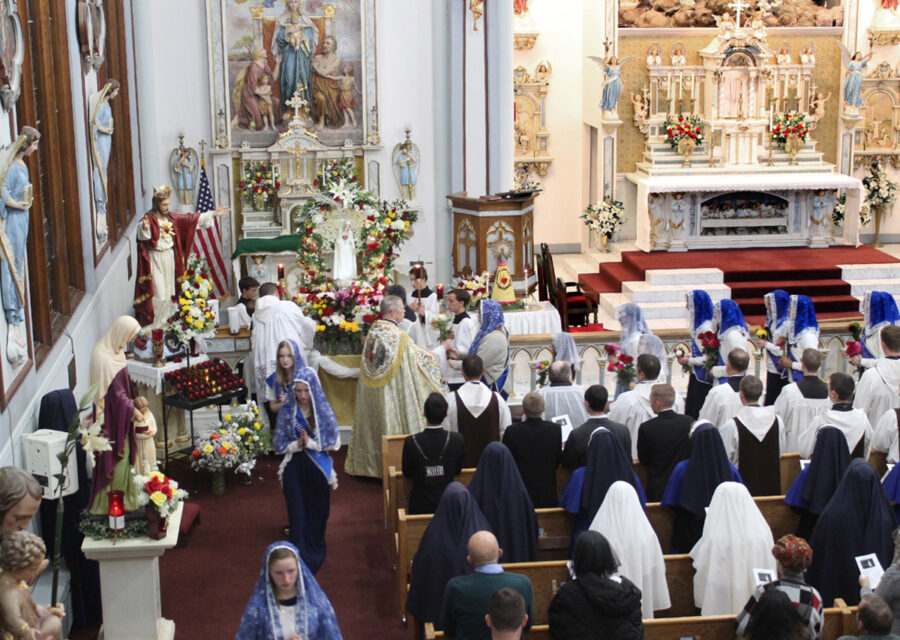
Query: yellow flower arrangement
(208, 448)
(158, 498)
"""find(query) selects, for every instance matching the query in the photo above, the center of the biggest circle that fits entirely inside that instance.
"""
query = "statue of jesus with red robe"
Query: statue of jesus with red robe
(164, 242)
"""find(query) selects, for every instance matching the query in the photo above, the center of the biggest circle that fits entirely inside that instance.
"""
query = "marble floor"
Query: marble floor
(569, 265)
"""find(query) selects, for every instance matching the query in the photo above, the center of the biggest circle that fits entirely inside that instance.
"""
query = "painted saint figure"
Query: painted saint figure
(164, 243)
(255, 106)
(296, 38)
(408, 164)
(327, 86)
(853, 82)
(101, 145)
(15, 201)
(184, 177)
(613, 87)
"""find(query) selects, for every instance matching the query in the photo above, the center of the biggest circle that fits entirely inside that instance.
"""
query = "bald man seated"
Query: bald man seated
(467, 598)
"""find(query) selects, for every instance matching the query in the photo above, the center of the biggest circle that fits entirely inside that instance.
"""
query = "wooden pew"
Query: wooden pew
(790, 469)
(839, 620)
(391, 456)
(554, 525)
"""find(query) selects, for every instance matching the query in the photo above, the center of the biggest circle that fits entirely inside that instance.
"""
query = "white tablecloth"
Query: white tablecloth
(545, 320)
(145, 373)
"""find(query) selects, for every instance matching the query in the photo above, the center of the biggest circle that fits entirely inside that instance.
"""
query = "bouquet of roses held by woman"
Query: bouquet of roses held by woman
(709, 344)
(854, 346)
(443, 323)
(620, 363)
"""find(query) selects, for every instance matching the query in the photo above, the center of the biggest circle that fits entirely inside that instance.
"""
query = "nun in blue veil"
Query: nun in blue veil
(306, 430)
(607, 463)
(693, 483)
(858, 520)
(287, 601)
(499, 490)
(815, 484)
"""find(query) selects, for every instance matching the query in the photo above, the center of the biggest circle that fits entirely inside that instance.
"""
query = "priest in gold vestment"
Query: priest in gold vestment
(395, 378)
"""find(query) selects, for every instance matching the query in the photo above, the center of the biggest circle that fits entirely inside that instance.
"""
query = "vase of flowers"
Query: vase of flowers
(605, 218)
(476, 286)
(791, 130)
(684, 133)
(193, 316)
(160, 496)
(839, 211)
(216, 452)
(251, 438)
(259, 183)
(542, 367)
(880, 193)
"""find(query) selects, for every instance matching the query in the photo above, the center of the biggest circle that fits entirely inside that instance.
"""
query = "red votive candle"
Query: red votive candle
(440, 291)
(116, 501)
(281, 272)
(417, 271)
(157, 335)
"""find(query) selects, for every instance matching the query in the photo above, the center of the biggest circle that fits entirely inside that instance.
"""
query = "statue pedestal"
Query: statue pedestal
(129, 584)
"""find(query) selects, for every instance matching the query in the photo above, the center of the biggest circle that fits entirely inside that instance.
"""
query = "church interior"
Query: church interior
(164, 163)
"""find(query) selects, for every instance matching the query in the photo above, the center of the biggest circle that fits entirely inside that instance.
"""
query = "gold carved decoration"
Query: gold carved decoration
(524, 40)
(532, 139)
(884, 36)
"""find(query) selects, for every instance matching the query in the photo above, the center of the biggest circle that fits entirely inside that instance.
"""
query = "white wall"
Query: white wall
(557, 209)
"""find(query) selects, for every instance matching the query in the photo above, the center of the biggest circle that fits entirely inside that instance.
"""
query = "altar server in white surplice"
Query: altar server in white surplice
(800, 402)
(885, 436)
(754, 439)
(736, 540)
(879, 386)
(562, 396)
(632, 408)
(622, 520)
(724, 401)
(803, 333)
(464, 330)
(879, 310)
(852, 422)
(733, 333)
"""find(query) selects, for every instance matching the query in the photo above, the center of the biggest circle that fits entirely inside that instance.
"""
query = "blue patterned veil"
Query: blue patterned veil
(880, 310)
(700, 310)
(291, 422)
(315, 618)
(299, 363)
(729, 315)
(802, 316)
(777, 303)
(491, 320)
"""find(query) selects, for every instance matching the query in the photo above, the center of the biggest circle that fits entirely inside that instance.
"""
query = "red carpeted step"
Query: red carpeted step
(791, 271)
(812, 287)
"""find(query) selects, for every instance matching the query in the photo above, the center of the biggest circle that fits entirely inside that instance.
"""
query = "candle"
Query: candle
(157, 334)
(116, 501)
(417, 270)
(440, 291)
(280, 271)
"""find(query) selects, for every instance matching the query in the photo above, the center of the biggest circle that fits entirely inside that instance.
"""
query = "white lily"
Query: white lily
(92, 441)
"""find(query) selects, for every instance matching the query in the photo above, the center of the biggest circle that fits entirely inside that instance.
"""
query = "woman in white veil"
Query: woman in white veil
(633, 324)
(650, 343)
(622, 520)
(736, 540)
(564, 350)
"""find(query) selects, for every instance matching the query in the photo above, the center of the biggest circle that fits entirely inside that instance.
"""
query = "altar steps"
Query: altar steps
(835, 278)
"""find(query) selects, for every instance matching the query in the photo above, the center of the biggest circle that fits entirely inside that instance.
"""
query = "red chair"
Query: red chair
(575, 306)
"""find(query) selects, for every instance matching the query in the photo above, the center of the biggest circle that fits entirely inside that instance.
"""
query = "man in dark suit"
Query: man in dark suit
(663, 441)
(431, 458)
(596, 401)
(536, 446)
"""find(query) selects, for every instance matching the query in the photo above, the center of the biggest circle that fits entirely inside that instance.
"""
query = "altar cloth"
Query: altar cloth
(796, 181)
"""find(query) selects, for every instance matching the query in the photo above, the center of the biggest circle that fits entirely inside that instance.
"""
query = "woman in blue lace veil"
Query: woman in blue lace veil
(306, 430)
(287, 602)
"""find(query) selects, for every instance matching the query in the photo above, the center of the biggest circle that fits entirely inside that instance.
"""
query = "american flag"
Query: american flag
(208, 242)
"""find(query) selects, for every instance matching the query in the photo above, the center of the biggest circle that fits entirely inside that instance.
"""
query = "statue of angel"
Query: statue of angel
(612, 88)
(817, 106)
(853, 81)
(726, 26)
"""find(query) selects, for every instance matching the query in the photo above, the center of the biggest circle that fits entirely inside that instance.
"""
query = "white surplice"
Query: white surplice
(565, 400)
(885, 437)
(879, 389)
(796, 413)
(476, 396)
(722, 403)
(854, 424)
(758, 421)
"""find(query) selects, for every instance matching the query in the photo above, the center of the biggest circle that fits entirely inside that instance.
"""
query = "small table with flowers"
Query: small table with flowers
(209, 383)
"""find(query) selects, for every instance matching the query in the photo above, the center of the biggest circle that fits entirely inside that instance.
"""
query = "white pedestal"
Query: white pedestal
(129, 584)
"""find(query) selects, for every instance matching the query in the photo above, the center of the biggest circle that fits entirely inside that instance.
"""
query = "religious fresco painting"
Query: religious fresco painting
(279, 50)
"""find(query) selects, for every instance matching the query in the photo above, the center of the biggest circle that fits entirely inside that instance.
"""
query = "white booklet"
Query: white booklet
(870, 566)
(762, 576)
(565, 424)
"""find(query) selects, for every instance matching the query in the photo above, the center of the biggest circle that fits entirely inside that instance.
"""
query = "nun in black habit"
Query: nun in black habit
(500, 492)
(858, 520)
(58, 409)
(607, 463)
(693, 482)
(814, 486)
(442, 552)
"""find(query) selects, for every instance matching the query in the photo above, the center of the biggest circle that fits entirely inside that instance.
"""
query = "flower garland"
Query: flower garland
(348, 311)
(160, 491)
(788, 124)
(260, 179)
(606, 216)
(880, 190)
(386, 227)
(193, 316)
(683, 127)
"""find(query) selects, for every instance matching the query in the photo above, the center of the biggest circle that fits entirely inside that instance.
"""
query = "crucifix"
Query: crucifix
(296, 103)
(202, 145)
(737, 5)
(297, 151)
(417, 273)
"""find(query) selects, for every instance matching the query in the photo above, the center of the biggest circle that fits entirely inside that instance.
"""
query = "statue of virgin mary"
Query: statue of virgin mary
(345, 255)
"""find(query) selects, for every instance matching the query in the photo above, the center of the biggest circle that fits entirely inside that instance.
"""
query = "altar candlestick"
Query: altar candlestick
(281, 271)
(440, 291)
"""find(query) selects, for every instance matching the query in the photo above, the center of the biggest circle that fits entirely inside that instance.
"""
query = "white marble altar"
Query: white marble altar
(129, 583)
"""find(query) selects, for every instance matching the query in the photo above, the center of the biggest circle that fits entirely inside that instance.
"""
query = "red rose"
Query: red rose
(241, 184)
(222, 450)
(611, 366)
(368, 318)
(671, 134)
(714, 343)
(195, 453)
(329, 311)
(277, 185)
